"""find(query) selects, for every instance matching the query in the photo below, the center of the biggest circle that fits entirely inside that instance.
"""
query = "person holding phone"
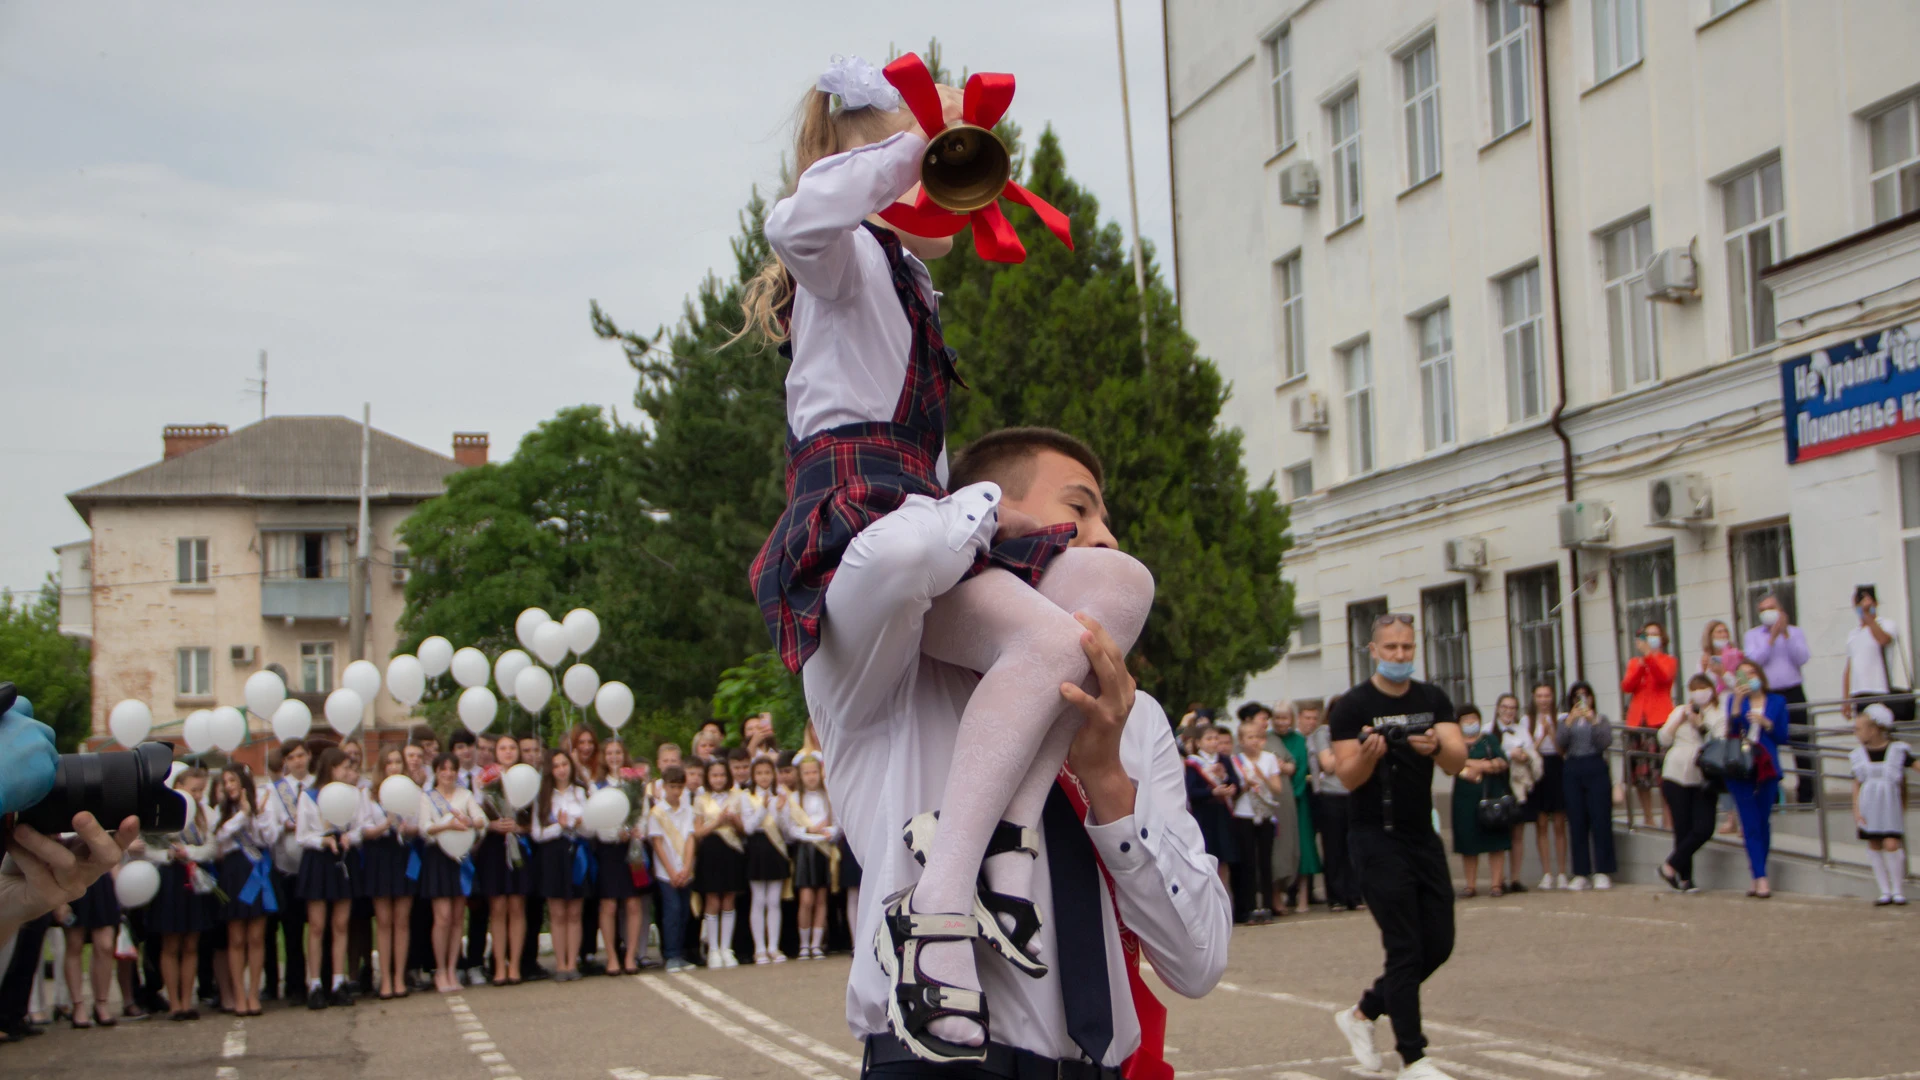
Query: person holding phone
(1582, 737)
(1780, 650)
(1868, 643)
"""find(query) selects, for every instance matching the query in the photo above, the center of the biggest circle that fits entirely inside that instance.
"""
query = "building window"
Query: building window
(195, 675)
(1520, 337)
(1756, 239)
(1280, 62)
(316, 667)
(191, 557)
(1616, 37)
(1343, 120)
(1443, 625)
(1356, 364)
(1894, 136)
(1509, 70)
(1360, 618)
(1762, 565)
(1300, 480)
(304, 555)
(1420, 87)
(1533, 627)
(1644, 591)
(1436, 377)
(1307, 634)
(1293, 317)
(1630, 333)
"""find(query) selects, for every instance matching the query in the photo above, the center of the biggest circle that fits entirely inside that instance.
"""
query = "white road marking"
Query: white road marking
(1298, 1063)
(236, 1044)
(1889, 1076)
(1473, 1071)
(799, 1063)
(1515, 1057)
(628, 1073)
(226, 1072)
(832, 1055)
(474, 1034)
(1638, 919)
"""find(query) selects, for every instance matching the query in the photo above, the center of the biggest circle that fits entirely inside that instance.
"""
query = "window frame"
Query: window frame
(1629, 615)
(1293, 474)
(1501, 47)
(1290, 280)
(1436, 643)
(1280, 87)
(1344, 153)
(1300, 634)
(193, 671)
(1439, 415)
(1419, 105)
(1363, 450)
(1896, 171)
(316, 657)
(1744, 315)
(1360, 617)
(192, 565)
(1609, 56)
(1748, 589)
(1621, 291)
(1514, 333)
(1523, 673)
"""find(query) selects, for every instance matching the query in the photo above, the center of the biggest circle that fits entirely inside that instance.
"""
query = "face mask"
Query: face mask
(1701, 698)
(1653, 641)
(1396, 671)
(1770, 616)
(1721, 643)
(1751, 686)
(1471, 729)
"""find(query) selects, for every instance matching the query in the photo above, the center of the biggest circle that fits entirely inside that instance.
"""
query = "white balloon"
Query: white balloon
(292, 720)
(406, 679)
(228, 727)
(137, 884)
(606, 809)
(583, 629)
(550, 643)
(435, 654)
(197, 731)
(532, 689)
(470, 667)
(522, 783)
(615, 703)
(455, 842)
(529, 621)
(363, 678)
(478, 707)
(344, 711)
(338, 803)
(508, 668)
(265, 691)
(130, 721)
(580, 683)
(399, 795)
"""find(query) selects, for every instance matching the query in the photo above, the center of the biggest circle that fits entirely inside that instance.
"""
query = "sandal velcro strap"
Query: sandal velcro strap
(944, 1000)
(1025, 916)
(931, 926)
(1008, 837)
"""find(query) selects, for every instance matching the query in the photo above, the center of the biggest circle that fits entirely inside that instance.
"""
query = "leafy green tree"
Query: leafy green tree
(49, 668)
(762, 684)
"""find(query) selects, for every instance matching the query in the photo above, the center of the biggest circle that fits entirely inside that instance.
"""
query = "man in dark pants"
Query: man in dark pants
(1780, 648)
(16, 986)
(1388, 733)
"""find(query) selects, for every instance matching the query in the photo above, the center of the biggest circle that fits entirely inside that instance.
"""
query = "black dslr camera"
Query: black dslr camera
(113, 786)
(1397, 729)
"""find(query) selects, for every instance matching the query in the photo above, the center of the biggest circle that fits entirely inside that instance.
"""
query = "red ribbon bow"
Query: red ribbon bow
(987, 98)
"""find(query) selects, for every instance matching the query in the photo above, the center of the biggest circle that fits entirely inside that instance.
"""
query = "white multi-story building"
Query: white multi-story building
(1439, 260)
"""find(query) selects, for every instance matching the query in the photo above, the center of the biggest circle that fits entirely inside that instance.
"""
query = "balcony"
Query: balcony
(305, 598)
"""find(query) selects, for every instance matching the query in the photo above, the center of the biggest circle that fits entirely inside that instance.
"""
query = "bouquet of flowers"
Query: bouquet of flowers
(633, 783)
(493, 799)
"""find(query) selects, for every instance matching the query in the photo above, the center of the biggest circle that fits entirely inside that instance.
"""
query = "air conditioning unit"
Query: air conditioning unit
(1467, 555)
(1586, 524)
(1299, 184)
(1682, 501)
(1309, 412)
(241, 654)
(1671, 276)
(402, 566)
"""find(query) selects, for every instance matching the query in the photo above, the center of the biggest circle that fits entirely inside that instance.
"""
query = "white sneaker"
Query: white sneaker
(1602, 881)
(1560, 881)
(1424, 1069)
(1359, 1032)
(761, 958)
(1580, 884)
(727, 959)
(714, 961)
(1546, 883)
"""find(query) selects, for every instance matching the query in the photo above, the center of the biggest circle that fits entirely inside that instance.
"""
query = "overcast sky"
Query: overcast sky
(411, 204)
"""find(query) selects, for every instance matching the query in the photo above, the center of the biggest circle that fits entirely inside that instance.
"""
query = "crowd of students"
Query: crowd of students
(260, 898)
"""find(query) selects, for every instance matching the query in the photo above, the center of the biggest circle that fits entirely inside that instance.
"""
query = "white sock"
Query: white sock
(710, 933)
(819, 936)
(774, 915)
(726, 931)
(757, 918)
(1879, 872)
(313, 984)
(339, 981)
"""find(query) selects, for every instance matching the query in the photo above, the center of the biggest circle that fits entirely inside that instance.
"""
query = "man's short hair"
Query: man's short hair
(739, 753)
(1221, 729)
(1006, 458)
(1250, 710)
(673, 774)
(463, 737)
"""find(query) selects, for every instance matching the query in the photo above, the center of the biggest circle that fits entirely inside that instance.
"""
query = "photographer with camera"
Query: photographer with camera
(1388, 734)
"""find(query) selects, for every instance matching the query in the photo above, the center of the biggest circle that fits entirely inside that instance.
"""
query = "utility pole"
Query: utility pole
(258, 387)
(357, 576)
(1133, 194)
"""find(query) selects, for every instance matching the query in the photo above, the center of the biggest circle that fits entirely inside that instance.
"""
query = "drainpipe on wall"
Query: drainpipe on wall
(1550, 240)
(1173, 189)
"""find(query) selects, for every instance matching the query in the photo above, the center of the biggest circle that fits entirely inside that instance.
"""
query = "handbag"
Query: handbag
(1726, 759)
(1497, 815)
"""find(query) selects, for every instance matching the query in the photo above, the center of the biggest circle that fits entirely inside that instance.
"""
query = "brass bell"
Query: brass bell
(966, 168)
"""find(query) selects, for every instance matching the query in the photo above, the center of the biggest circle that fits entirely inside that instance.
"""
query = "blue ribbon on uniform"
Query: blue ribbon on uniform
(413, 861)
(260, 881)
(466, 875)
(581, 862)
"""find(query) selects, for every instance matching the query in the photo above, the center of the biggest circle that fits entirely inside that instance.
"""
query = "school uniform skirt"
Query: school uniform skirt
(176, 908)
(764, 861)
(717, 868)
(849, 866)
(1549, 792)
(99, 906)
(613, 878)
(328, 878)
(553, 870)
(811, 869)
(439, 874)
(384, 868)
(492, 876)
(235, 870)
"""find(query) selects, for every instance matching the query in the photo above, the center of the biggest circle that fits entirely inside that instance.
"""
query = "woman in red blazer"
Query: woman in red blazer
(1649, 684)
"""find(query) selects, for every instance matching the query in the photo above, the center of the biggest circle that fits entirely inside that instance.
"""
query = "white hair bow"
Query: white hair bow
(858, 85)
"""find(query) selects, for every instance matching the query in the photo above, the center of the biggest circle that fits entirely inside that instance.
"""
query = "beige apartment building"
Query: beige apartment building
(230, 554)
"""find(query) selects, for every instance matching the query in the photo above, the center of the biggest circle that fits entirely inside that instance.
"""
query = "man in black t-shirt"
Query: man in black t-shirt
(1388, 734)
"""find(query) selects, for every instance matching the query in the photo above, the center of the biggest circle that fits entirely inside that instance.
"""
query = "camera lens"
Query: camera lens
(113, 787)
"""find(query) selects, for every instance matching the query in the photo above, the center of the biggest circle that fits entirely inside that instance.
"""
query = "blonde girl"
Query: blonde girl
(813, 839)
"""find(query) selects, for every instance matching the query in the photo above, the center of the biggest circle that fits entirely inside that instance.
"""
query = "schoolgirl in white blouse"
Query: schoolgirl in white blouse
(562, 879)
(813, 840)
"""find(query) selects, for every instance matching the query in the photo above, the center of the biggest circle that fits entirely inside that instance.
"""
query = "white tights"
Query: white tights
(764, 917)
(1016, 730)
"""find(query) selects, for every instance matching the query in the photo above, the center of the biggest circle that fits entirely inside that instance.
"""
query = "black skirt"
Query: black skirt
(717, 868)
(328, 878)
(176, 908)
(811, 870)
(235, 869)
(99, 906)
(439, 873)
(491, 874)
(553, 870)
(1548, 793)
(849, 866)
(764, 861)
(384, 868)
(613, 878)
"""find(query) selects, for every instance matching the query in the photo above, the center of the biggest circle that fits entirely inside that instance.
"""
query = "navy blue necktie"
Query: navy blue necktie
(1079, 935)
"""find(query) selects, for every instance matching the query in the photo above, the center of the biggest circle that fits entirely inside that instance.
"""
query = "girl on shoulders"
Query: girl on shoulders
(563, 863)
(244, 843)
(813, 838)
(767, 864)
(720, 862)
